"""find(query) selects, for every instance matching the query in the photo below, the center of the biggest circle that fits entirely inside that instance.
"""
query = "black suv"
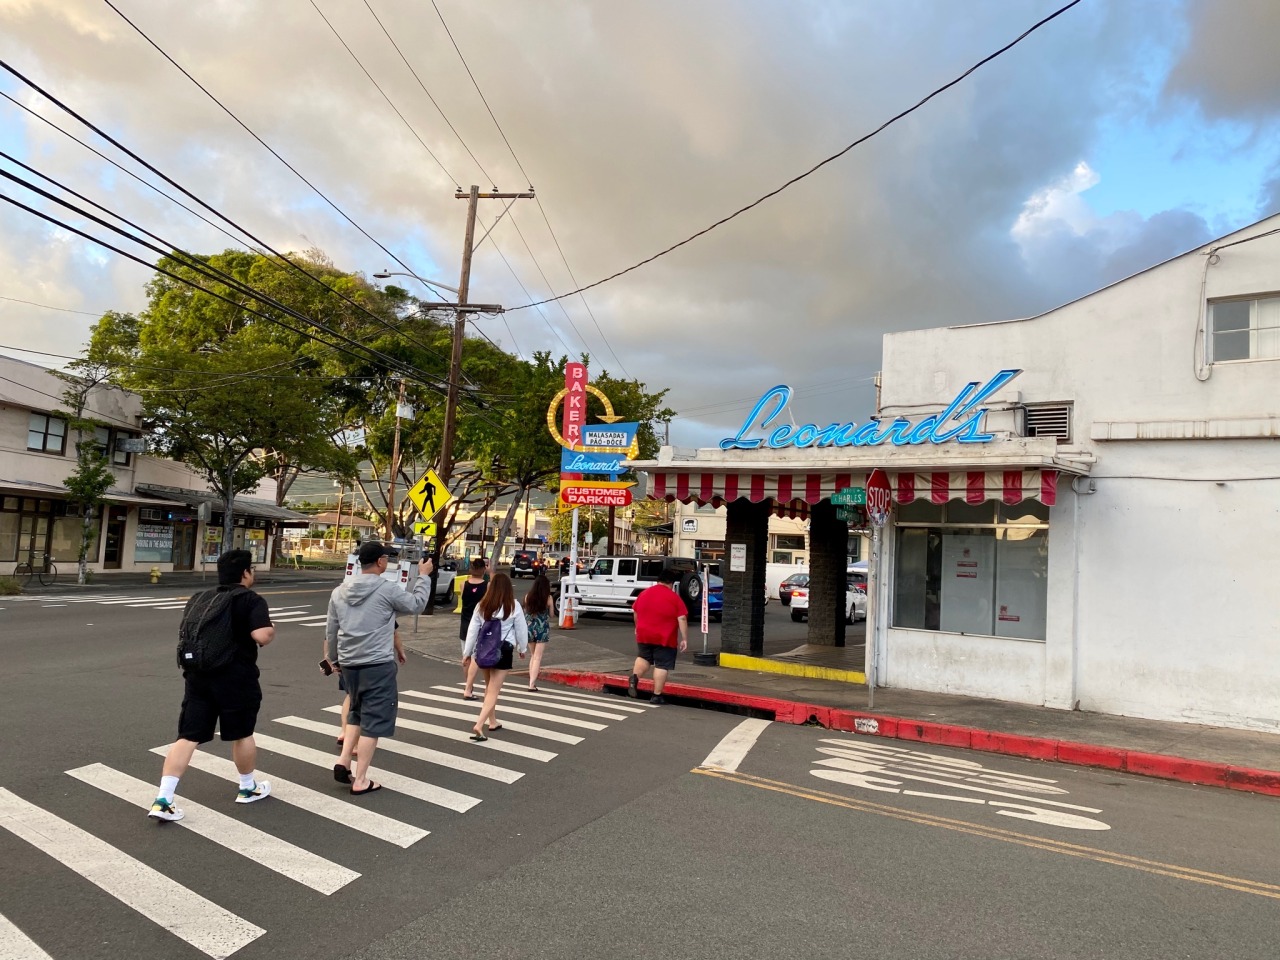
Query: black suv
(525, 563)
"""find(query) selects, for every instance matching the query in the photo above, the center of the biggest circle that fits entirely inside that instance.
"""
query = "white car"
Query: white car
(856, 596)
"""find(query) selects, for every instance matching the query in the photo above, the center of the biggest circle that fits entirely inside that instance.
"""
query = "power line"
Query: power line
(243, 126)
(262, 244)
(439, 109)
(817, 166)
(482, 97)
(542, 313)
(543, 274)
(541, 209)
(430, 153)
(45, 306)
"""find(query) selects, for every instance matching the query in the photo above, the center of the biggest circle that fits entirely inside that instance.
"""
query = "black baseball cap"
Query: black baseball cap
(369, 553)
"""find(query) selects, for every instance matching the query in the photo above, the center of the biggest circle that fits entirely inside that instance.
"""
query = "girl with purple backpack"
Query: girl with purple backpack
(497, 630)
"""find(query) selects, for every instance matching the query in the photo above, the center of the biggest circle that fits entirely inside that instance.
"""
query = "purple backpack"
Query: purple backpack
(489, 644)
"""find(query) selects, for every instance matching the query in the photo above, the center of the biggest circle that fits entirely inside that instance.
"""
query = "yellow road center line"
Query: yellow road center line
(1175, 871)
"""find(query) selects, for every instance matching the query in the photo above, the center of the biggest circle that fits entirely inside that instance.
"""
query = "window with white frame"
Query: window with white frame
(46, 434)
(1245, 329)
(107, 439)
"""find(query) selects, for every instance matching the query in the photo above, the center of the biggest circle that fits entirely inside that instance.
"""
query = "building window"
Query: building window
(1245, 329)
(46, 434)
(982, 570)
(788, 541)
(108, 440)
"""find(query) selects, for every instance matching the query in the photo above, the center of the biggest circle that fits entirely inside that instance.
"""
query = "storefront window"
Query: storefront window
(65, 543)
(983, 571)
(8, 537)
(153, 543)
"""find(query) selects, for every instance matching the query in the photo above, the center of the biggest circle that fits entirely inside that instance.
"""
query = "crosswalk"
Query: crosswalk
(289, 748)
(299, 613)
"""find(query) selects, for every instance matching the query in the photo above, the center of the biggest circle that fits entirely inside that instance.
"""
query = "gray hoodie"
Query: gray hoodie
(362, 612)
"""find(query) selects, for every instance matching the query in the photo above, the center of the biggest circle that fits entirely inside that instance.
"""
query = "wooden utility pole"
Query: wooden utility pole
(472, 196)
(395, 466)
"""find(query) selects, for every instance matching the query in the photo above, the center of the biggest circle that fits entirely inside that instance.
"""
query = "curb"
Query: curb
(1159, 765)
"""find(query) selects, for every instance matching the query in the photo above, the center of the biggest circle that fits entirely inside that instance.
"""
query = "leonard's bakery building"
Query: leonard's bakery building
(1086, 502)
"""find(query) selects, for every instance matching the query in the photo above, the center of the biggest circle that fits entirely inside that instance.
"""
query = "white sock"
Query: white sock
(246, 781)
(168, 787)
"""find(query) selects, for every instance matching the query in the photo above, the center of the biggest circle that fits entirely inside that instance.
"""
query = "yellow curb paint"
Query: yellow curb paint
(737, 661)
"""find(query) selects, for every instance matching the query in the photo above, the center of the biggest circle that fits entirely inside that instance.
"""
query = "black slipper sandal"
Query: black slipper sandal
(371, 788)
(534, 690)
(479, 737)
(341, 774)
(470, 696)
(495, 729)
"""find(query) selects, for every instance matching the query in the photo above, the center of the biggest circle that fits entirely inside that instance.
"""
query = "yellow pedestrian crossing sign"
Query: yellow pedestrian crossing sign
(424, 528)
(429, 495)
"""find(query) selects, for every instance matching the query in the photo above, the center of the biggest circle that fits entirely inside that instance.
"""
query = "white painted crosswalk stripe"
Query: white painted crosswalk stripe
(471, 718)
(586, 699)
(257, 845)
(418, 789)
(518, 711)
(187, 915)
(313, 801)
(493, 743)
(517, 696)
(16, 945)
(463, 764)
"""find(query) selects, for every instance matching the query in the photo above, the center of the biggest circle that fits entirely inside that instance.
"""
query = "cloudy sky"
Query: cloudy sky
(1122, 133)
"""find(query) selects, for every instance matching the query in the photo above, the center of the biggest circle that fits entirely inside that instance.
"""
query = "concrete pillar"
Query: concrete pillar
(828, 575)
(742, 630)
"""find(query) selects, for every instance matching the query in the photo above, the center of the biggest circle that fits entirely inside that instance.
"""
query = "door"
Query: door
(113, 545)
(184, 546)
(598, 586)
(624, 580)
(33, 540)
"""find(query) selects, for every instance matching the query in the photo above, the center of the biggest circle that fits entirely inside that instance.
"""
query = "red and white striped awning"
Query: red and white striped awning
(793, 493)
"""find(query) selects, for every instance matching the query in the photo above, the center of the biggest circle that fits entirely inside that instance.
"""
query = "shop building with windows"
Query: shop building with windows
(153, 511)
(1099, 537)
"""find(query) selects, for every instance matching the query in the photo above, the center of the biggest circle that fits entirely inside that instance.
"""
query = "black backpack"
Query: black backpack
(206, 639)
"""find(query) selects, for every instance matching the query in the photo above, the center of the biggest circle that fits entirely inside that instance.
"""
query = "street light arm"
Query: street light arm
(384, 274)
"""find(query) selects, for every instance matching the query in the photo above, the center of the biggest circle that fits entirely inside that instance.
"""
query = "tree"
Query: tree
(235, 397)
(92, 477)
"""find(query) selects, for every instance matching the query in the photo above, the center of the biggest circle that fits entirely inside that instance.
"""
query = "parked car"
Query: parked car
(715, 598)
(855, 599)
(789, 584)
(526, 563)
(611, 584)
(564, 565)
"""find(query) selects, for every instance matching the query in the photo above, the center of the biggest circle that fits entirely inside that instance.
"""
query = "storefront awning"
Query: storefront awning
(34, 489)
(794, 493)
(241, 507)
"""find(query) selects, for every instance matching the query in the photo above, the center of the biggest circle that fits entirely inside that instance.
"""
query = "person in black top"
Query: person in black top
(228, 697)
(473, 588)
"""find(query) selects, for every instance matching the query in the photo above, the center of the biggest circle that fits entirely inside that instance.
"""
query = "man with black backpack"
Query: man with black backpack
(218, 643)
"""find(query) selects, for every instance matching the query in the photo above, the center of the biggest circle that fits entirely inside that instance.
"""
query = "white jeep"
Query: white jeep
(611, 584)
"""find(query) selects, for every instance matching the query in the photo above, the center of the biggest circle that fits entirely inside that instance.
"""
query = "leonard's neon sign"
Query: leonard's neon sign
(961, 421)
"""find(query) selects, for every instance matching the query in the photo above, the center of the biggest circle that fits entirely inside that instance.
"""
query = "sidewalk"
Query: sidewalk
(140, 581)
(1215, 756)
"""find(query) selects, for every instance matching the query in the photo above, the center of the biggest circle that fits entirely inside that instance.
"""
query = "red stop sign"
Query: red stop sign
(878, 497)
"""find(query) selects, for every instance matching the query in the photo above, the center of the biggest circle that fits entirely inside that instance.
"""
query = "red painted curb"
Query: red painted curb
(1162, 766)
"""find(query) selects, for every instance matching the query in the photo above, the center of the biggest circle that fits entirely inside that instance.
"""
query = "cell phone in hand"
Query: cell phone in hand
(326, 667)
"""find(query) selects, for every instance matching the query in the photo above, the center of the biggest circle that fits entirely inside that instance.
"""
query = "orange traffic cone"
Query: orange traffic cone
(569, 618)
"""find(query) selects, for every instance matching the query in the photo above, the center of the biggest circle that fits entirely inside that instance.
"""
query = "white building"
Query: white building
(152, 515)
(1101, 538)
(1160, 597)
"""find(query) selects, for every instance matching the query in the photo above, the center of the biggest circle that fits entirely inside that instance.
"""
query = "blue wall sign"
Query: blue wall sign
(613, 436)
(572, 461)
(962, 421)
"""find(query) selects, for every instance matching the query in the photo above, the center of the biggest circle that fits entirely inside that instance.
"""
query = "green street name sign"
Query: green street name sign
(850, 497)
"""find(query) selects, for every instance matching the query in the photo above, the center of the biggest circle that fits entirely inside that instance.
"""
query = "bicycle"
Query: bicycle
(47, 572)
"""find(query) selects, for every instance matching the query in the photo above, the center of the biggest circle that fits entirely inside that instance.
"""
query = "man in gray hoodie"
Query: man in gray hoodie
(360, 641)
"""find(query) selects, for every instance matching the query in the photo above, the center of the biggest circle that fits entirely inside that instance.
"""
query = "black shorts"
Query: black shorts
(228, 699)
(504, 659)
(664, 658)
(374, 698)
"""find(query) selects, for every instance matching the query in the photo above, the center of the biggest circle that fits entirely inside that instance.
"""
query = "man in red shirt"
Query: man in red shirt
(660, 616)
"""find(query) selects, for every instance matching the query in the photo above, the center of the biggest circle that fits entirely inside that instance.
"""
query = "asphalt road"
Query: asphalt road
(619, 845)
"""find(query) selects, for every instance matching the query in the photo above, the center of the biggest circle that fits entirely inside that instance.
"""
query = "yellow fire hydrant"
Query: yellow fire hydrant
(155, 574)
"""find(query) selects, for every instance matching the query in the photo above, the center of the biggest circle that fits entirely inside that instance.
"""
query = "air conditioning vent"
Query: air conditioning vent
(1049, 420)
(147, 513)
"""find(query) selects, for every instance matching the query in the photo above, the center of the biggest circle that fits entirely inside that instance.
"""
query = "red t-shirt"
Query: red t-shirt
(657, 610)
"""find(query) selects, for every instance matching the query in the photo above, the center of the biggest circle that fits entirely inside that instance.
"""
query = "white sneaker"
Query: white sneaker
(163, 809)
(260, 789)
